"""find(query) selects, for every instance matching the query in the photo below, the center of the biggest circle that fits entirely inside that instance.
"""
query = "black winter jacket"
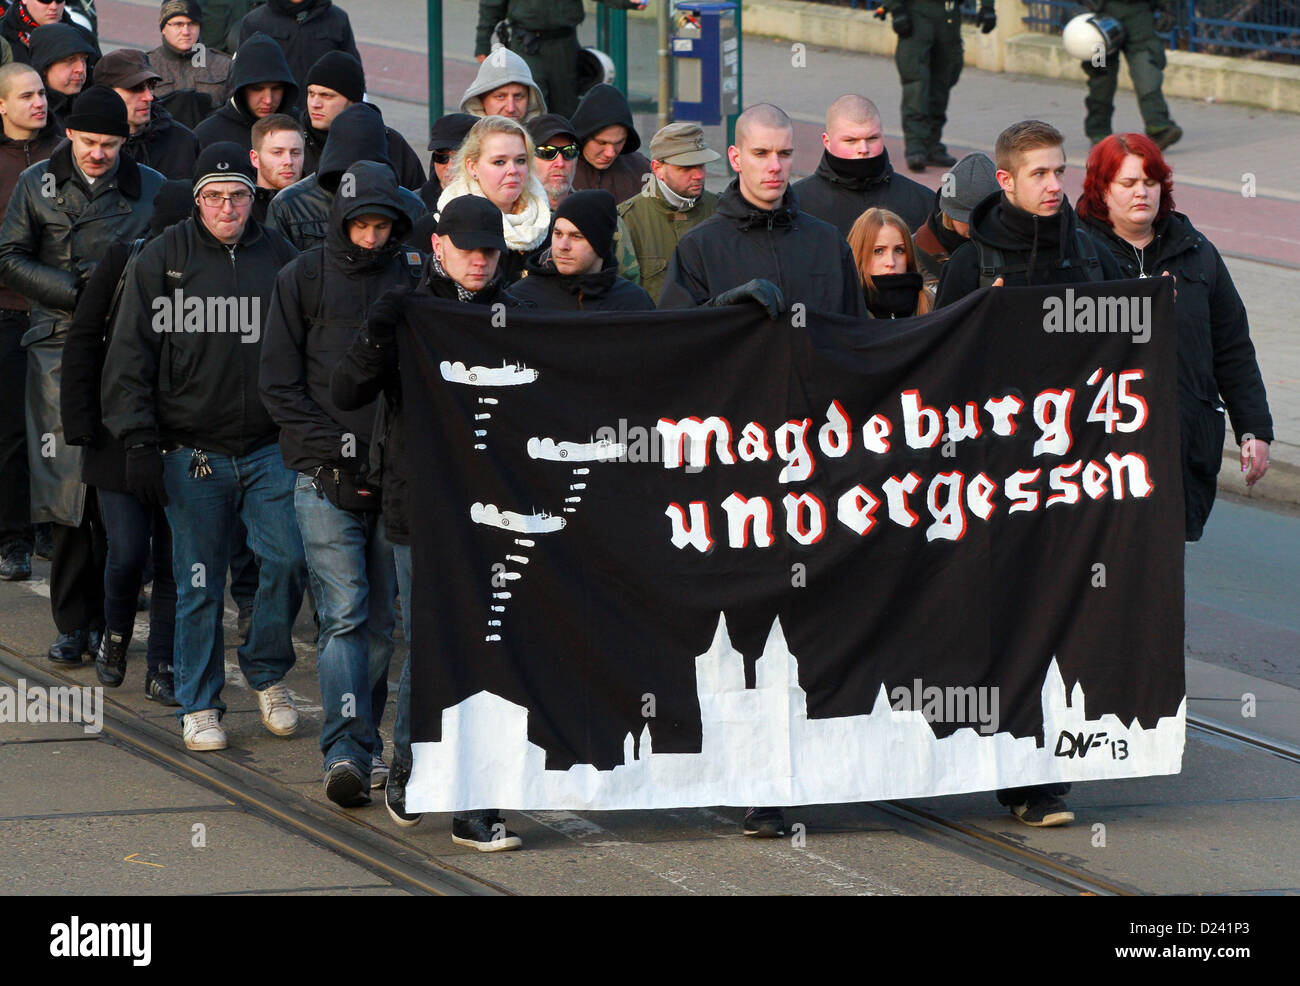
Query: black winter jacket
(166, 145)
(604, 291)
(1046, 244)
(301, 211)
(410, 172)
(1216, 359)
(259, 61)
(194, 388)
(304, 31)
(806, 258)
(369, 369)
(320, 304)
(840, 190)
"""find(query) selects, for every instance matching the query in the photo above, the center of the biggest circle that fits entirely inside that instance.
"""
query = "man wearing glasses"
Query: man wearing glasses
(156, 139)
(181, 392)
(555, 155)
(24, 17)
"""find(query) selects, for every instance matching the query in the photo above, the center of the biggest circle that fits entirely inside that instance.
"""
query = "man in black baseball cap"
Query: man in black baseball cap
(447, 135)
(467, 246)
(555, 155)
(203, 289)
(156, 139)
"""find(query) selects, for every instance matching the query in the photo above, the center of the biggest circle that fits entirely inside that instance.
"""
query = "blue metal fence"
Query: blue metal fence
(1267, 29)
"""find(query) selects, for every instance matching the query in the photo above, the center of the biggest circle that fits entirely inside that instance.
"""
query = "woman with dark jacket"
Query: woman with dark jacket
(131, 524)
(883, 252)
(1127, 204)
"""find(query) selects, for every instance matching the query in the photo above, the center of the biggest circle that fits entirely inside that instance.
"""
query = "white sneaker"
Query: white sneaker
(278, 713)
(202, 731)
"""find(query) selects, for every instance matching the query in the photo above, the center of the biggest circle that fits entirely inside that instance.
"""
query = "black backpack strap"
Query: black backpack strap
(993, 264)
(1088, 257)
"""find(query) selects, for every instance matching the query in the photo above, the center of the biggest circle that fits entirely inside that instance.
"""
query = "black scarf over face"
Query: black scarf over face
(893, 295)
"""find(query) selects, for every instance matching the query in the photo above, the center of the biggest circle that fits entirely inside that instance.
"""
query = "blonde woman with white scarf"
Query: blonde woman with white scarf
(495, 162)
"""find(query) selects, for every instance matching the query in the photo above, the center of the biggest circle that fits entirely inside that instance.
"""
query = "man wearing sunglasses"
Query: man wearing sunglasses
(156, 139)
(25, 16)
(555, 155)
(181, 393)
(445, 138)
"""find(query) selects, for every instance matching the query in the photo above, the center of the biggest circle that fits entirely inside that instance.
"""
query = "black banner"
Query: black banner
(692, 558)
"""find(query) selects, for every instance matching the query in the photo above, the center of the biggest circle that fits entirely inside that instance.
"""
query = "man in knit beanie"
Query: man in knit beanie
(578, 272)
(182, 64)
(334, 83)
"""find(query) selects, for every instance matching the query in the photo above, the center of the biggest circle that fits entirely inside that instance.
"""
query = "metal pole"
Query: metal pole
(665, 66)
(433, 22)
(740, 77)
(618, 47)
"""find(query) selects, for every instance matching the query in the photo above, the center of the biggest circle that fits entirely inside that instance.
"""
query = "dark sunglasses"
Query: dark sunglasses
(547, 152)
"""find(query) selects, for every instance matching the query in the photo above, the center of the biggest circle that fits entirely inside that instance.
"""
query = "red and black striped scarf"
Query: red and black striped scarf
(27, 22)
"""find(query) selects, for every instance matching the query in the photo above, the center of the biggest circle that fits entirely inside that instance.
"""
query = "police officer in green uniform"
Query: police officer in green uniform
(545, 33)
(929, 60)
(1145, 54)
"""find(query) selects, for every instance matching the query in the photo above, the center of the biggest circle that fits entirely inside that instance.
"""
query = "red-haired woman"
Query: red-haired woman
(1128, 204)
(885, 256)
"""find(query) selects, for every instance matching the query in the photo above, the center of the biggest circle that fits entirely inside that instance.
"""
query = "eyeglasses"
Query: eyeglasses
(442, 157)
(547, 152)
(50, 3)
(149, 84)
(216, 199)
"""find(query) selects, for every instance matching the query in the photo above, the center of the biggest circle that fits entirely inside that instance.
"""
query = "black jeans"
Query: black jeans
(132, 526)
(15, 497)
(77, 571)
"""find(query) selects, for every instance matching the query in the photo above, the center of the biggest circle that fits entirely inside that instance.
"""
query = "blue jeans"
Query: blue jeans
(136, 532)
(258, 489)
(350, 565)
(402, 723)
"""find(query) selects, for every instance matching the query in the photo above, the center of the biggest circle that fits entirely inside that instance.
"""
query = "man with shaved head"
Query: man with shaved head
(855, 174)
(29, 136)
(759, 245)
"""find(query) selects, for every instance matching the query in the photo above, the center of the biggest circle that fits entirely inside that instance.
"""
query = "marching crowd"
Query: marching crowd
(204, 261)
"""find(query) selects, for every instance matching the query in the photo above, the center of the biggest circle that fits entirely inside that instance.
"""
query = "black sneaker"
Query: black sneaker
(1043, 811)
(764, 823)
(916, 162)
(941, 157)
(395, 797)
(16, 564)
(160, 686)
(484, 834)
(68, 648)
(110, 662)
(346, 786)
(43, 546)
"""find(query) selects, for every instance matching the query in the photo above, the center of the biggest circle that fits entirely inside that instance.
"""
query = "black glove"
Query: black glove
(144, 475)
(381, 321)
(903, 24)
(987, 19)
(767, 294)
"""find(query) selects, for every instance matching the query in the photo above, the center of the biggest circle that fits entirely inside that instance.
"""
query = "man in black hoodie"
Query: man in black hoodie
(181, 393)
(609, 159)
(156, 139)
(305, 30)
(578, 272)
(334, 83)
(855, 175)
(301, 212)
(61, 53)
(760, 245)
(467, 247)
(1027, 233)
(260, 84)
(320, 304)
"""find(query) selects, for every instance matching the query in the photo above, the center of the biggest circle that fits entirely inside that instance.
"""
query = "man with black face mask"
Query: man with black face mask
(855, 173)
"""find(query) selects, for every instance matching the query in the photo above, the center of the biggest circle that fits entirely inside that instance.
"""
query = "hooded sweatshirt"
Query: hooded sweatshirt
(320, 304)
(604, 106)
(410, 172)
(500, 68)
(1048, 245)
(50, 44)
(301, 211)
(259, 61)
(841, 189)
(305, 31)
